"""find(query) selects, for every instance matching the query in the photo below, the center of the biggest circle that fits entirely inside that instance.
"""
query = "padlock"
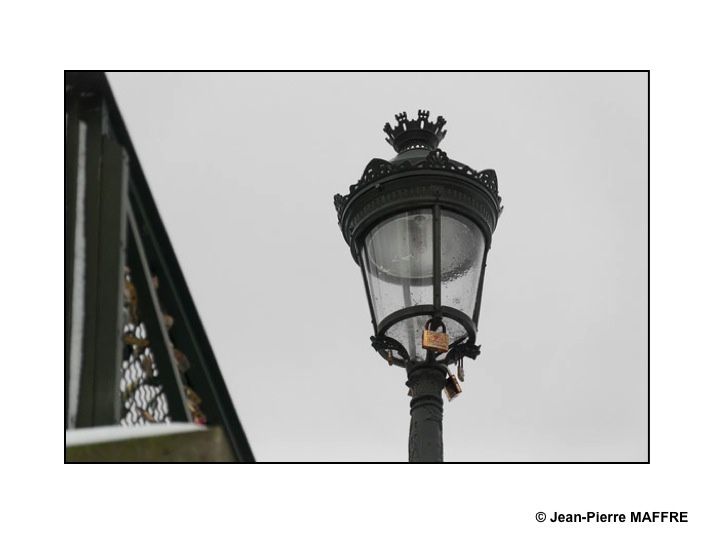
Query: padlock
(461, 370)
(452, 387)
(435, 341)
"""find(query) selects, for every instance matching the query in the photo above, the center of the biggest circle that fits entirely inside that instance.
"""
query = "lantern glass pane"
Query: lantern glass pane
(409, 333)
(462, 248)
(398, 259)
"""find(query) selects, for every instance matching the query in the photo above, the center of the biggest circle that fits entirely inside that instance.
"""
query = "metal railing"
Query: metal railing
(135, 348)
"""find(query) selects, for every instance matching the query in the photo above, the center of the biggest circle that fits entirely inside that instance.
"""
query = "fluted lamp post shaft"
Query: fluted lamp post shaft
(426, 413)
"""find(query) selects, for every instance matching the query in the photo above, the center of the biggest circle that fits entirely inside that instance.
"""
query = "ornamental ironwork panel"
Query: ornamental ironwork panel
(141, 393)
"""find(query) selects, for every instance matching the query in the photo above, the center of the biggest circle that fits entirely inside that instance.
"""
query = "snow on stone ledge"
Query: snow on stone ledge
(102, 434)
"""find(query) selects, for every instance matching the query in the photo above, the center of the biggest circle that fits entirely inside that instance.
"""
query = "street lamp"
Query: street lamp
(419, 226)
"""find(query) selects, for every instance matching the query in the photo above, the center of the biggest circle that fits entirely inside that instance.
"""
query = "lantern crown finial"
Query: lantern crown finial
(418, 133)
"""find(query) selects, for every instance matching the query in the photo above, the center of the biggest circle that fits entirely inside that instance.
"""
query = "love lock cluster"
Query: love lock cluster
(438, 342)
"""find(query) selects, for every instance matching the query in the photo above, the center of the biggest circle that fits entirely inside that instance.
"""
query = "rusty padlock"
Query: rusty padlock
(452, 387)
(435, 341)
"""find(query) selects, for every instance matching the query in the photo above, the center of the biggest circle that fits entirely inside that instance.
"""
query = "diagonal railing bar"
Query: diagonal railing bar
(152, 316)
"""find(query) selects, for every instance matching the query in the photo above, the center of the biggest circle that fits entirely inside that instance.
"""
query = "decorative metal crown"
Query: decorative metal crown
(420, 133)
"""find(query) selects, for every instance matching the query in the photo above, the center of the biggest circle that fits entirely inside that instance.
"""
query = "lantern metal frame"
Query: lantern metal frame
(421, 177)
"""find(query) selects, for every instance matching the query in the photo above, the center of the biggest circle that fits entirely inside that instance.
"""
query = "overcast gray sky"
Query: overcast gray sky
(243, 167)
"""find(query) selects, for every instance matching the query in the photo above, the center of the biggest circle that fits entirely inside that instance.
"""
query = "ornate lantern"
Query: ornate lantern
(419, 226)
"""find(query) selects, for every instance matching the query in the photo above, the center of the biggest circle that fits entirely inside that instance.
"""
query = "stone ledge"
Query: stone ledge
(208, 445)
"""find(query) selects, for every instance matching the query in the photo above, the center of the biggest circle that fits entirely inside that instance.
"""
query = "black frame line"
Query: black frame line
(193, 313)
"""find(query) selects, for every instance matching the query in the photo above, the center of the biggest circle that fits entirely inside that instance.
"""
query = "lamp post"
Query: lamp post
(419, 226)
